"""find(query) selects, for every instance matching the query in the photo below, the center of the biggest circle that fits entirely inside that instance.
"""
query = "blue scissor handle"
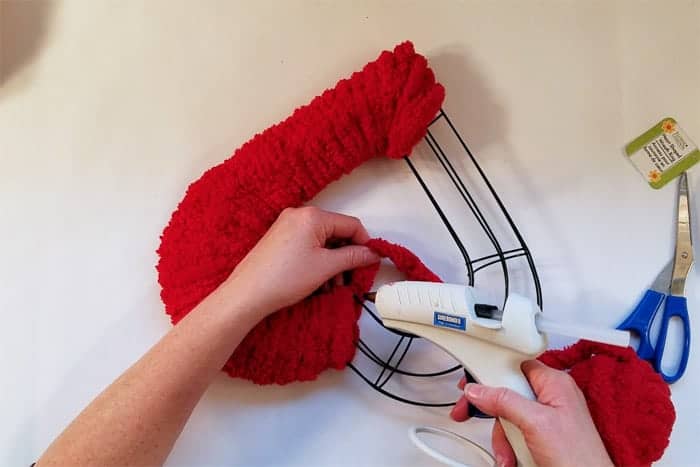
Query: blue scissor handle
(640, 321)
(675, 307)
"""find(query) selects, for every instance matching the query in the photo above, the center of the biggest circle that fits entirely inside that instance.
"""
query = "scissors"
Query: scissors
(669, 286)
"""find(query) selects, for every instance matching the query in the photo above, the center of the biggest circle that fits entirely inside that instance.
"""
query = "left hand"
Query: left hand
(291, 260)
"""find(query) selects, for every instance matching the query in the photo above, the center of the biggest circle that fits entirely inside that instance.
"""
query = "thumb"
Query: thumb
(349, 257)
(505, 403)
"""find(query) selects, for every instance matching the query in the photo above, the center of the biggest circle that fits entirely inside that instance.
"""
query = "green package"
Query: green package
(663, 152)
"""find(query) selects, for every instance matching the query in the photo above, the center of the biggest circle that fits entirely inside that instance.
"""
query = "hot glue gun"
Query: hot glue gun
(490, 342)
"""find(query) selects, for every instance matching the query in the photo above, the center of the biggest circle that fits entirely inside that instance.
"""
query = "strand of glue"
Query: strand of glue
(606, 336)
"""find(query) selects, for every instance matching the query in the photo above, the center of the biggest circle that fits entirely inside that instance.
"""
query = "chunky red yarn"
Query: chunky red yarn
(629, 402)
(383, 110)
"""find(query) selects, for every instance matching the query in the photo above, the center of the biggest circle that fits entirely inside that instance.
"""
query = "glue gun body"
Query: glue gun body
(460, 309)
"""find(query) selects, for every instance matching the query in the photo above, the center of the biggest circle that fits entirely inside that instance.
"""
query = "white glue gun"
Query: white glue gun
(489, 342)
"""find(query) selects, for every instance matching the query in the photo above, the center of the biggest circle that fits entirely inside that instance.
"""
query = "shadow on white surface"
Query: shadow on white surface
(470, 101)
(24, 26)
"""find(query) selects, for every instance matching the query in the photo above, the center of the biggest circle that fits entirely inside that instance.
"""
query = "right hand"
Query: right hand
(558, 427)
(293, 258)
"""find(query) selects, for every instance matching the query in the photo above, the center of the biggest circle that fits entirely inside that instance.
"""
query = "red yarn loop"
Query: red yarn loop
(629, 402)
(404, 260)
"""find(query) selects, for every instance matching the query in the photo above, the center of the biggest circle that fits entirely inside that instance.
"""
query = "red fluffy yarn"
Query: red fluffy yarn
(629, 402)
(383, 110)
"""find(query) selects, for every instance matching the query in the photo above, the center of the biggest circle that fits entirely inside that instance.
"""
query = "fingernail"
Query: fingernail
(474, 391)
(370, 254)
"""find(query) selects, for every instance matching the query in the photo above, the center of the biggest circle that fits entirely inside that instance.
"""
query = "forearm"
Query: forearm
(136, 420)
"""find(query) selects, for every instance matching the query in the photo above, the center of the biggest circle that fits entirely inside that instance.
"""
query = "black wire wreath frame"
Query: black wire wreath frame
(391, 365)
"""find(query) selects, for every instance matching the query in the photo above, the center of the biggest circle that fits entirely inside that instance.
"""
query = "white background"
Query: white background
(109, 109)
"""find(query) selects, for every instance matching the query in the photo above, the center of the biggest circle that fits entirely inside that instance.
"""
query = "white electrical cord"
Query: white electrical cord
(440, 457)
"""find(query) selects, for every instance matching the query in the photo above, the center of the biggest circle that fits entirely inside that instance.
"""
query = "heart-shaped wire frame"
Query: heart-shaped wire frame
(391, 366)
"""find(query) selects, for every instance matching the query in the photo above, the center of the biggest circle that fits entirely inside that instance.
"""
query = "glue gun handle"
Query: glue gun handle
(517, 442)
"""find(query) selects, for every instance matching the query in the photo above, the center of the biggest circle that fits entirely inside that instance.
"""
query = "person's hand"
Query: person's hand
(558, 427)
(292, 259)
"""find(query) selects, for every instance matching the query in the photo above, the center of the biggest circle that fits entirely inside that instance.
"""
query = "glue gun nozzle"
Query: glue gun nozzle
(371, 296)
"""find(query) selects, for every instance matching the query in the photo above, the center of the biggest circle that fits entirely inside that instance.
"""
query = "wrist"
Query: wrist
(240, 301)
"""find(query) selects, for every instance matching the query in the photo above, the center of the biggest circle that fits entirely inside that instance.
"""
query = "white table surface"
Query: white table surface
(109, 109)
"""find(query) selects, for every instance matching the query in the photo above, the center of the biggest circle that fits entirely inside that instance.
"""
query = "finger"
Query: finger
(349, 257)
(502, 450)
(338, 280)
(460, 411)
(503, 402)
(549, 385)
(337, 225)
(462, 382)
(538, 374)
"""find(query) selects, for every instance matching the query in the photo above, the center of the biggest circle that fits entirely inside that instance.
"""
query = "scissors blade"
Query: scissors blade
(663, 280)
(683, 258)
